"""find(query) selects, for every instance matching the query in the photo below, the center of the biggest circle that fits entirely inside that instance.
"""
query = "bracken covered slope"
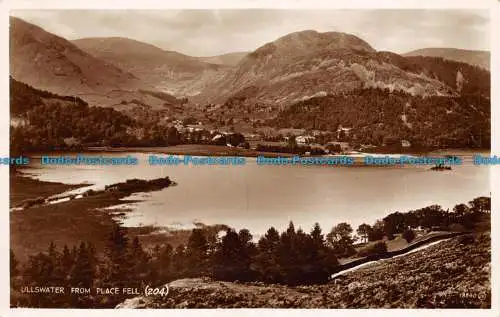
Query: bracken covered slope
(452, 274)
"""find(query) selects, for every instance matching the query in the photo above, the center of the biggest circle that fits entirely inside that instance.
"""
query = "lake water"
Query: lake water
(257, 197)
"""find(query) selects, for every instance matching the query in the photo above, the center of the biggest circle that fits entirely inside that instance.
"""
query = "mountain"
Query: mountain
(169, 71)
(50, 62)
(305, 64)
(229, 59)
(477, 58)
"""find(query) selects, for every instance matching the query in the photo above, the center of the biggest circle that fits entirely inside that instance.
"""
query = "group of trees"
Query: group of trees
(53, 122)
(380, 117)
(123, 263)
(434, 217)
(292, 257)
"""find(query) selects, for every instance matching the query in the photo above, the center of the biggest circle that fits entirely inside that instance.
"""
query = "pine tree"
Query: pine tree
(179, 261)
(196, 253)
(266, 262)
(117, 266)
(83, 272)
(163, 264)
(140, 270)
(67, 261)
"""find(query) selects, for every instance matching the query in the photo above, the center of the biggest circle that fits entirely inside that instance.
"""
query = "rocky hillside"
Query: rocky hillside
(477, 58)
(454, 273)
(305, 64)
(171, 71)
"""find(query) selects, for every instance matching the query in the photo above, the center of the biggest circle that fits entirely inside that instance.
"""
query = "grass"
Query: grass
(71, 222)
(198, 150)
(33, 229)
(395, 244)
(25, 188)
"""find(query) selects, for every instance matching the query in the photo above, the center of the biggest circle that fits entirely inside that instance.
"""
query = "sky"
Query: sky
(214, 32)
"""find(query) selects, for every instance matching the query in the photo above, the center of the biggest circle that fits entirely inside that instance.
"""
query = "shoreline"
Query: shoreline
(25, 188)
(74, 220)
(216, 150)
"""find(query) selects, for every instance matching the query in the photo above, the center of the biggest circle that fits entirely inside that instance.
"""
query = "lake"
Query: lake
(257, 197)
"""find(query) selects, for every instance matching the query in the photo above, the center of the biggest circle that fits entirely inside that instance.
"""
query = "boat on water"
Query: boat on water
(441, 167)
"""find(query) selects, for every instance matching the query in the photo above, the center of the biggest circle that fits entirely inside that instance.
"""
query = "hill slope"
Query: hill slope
(477, 58)
(170, 71)
(379, 117)
(50, 62)
(229, 59)
(436, 277)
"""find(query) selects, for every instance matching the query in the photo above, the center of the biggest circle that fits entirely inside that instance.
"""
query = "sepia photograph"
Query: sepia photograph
(250, 158)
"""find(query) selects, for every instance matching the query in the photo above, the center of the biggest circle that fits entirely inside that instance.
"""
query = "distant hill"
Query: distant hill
(477, 58)
(170, 71)
(50, 62)
(229, 59)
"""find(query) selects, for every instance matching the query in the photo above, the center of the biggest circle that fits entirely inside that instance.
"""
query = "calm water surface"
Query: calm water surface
(257, 197)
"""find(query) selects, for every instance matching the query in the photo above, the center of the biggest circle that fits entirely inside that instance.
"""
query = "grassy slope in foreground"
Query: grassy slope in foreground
(24, 188)
(454, 273)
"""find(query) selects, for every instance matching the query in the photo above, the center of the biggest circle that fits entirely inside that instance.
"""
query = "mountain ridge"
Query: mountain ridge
(169, 71)
(479, 58)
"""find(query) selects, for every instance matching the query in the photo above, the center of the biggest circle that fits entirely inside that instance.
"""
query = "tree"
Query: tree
(235, 139)
(341, 240)
(179, 262)
(67, 261)
(480, 205)
(231, 259)
(364, 231)
(140, 268)
(323, 261)
(118, 264)
(432, 216)
(377, 232)
(409, 235)
(196, 253)
(394, 223)
(173, 136)
(83, 272)
(162, 263)
(266, 262)
(291, 141)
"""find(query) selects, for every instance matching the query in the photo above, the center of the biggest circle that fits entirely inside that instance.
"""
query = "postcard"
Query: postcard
(280, 158)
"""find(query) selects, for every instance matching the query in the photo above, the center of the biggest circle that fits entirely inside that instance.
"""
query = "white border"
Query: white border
(8, 5)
